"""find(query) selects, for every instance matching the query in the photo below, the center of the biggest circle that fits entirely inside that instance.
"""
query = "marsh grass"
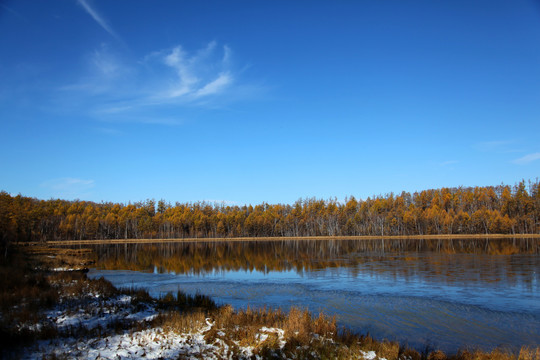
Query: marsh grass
(58, 258)
(525, 353)
(24, 293)
(185, 302)
(29, 288)
(305, 336)
(277, 334)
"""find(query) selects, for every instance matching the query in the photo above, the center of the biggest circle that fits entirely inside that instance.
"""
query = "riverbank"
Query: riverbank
(285, 238)
(50, 309)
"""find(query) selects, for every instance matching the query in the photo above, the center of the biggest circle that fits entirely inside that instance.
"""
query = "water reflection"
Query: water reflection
(452, 293)
(406, 259)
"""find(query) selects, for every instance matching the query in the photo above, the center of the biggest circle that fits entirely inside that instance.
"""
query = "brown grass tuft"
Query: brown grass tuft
(298, 326)
(527, 353)
(180, 322)
(496, 354)
(437, 355)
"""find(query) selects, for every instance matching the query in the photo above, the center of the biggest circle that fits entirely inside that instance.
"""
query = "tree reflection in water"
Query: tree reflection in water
(399, 257)
(483, 292)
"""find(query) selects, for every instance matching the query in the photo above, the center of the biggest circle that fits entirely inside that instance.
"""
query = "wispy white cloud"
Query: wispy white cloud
(497, 146)
(108, 131)
(105, 62)
(200, 74)
(160, 121)
(215, 86)
(527, 158)
(186, 77)
(104, 73)
(157, 88)
(167, 76)
(68, 188)
(99, 19)
(154, 120)
(130, 114)
(117, 109)
(227, 54)
(449, 162)
(12, 11)
(494, 143)
(67, 183)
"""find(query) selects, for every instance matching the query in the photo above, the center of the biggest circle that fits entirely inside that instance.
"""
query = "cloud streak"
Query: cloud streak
(198, 75)
(12, 11)
(67, 183)
(527, 159)
(68, 187)
(159, 88)
(449, 162)
(215, 86)
(497, 146)
(99, 19)
(104, 62)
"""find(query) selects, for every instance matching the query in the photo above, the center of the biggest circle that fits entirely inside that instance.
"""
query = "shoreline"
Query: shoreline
(194, 327)
(79, 318)
(291, 238)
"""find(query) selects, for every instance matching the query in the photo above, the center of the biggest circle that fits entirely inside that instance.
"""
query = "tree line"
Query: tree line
(499, 209)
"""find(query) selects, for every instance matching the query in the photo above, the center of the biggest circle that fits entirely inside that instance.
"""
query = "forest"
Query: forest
(499, 209)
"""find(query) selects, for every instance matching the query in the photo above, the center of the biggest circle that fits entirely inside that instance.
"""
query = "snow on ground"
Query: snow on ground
(94, 311)
(280, 333)
(155, 343)
(148, 344)
(370, 355)
(97, 312)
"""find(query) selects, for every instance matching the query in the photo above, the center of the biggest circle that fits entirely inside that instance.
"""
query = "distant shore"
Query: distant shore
(288, 238)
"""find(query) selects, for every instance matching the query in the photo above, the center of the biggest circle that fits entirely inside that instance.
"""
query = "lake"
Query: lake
(448, 294)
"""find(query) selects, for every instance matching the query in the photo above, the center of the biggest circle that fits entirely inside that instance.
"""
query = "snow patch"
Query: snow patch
(150, 344)
(370, 355)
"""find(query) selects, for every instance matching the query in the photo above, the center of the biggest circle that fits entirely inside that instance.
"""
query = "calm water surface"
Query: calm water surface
(449, 294)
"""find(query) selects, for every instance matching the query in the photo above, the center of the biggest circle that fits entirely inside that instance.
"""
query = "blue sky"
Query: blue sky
(252, 101)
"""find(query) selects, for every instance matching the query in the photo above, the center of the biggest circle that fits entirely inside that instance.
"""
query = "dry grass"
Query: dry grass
(186, 302)
(24, 293)
(528, 353)
(29, 288)
(181, 322)
(54, 258)
(303, 336)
